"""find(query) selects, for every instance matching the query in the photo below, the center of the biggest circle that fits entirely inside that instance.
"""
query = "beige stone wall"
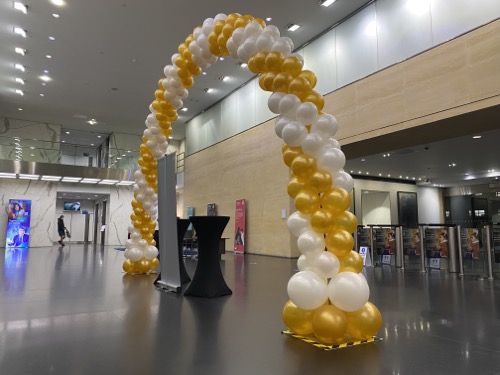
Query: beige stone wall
(458, 77)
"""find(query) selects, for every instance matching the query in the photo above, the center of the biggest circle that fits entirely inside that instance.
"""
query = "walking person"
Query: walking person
(61, 228)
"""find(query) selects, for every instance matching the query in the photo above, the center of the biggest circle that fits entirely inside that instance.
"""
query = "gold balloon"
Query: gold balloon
(320, 180)
(128, 266)
(143, 266)
(316, 98)
(290, 153)
(218, 27)
(310, 76)
(303, 166)
(307, 201)
(281, 81)
(295, 186)
(329, 324)
(259, 60)
(351, 263)
(297, 319)
(227, 31)
(274, 60)
(240, 22)
(339, 242)
(299, 86)
(365, 322)
(347, 221)
(154, 264)
(292, 65)
(266, 81)
(336, 200)
(321, 220)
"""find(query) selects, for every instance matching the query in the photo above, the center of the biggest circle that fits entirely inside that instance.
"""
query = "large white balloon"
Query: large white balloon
(273, 31)
(305, 263)
(311, 243)
(253, 29)
(299, 223)
(135, 254)
(343, 180)
(348, 291)
(294, 133)
(289, 104)
(238, 36)
(313, 144)
(326, 125)
(307, 290)
(274, 101)
(280, 124)
(326, 265)
(306, 113)
(264, 43)
(150, 252)
(332, 160)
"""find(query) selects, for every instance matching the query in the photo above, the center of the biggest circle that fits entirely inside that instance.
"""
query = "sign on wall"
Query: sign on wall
(239, 226)
(18, 223)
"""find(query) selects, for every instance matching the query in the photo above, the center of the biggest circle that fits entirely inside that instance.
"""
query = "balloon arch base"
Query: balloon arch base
(312, 341)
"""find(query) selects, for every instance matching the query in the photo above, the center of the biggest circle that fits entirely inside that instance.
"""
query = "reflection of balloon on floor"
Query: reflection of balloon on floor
(318, 184)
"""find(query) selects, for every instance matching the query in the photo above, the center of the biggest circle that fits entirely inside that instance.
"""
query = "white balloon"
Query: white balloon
(313, 144)
(289, 41)
(326, 125)
(140, 197)
(197, 32)
(142, 184)
(238, 36)
(142, 244)
(181, 92)
(149, 191)
(332, 159)
(152, 119)
(135, 236)
(348, 291)
(299, 56)
(147, 133)
(307, 290)
(305, 263)
(282, 47)
(326, 265)
(343, 180)
(310, 243)
(169, 96)
(151, 144)
(280, 124)
(194, 48)
(332, 143)
(306, 113)
(264, 43)
(273, 31)
(294, 133)
(220, 17)
(129, 244)
(158, 154)
(151, 252)
(253, 29)
(173, 58)
(174, 82)
(208, 26)
(243, 54)
(155, 130)
(232, 48)
(138, 175)
(135, 254)
(177, 103)
(299, 223)
(131, 228)
(136, 189)
(212, 59)
(274, 101)
(146, 205)
(289, 104)
(250, 46)
(202, 42)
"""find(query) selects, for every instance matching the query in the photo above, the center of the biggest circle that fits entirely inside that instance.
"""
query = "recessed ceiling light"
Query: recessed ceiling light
(32, 155)
(55, 15)
(43, 84)
(92, 122)
(52, 38)
(32, 148)
(99, 136)
(363, 159)
(20, 31)
(243, 65)
(293, 27)
(268, 19)
(225, 79)
(42, 94)
(21, 7)
(59, 3)
(388, 175)
(170, 137)
(20, 80)
(91, 144)
(20, 51)
(45, 78)
(46, 71)
(19, 109)
(63, 141)
(48, 56)
(184, 109)
(20, 67)
(20, 92)
(118, 158)
(67, 132)
(477, 136)
(203, 73)
(221, 58)
(208, 90)
(28, 176)
(326, 3)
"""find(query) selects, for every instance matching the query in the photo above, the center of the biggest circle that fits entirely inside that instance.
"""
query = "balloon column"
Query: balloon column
(329, 296)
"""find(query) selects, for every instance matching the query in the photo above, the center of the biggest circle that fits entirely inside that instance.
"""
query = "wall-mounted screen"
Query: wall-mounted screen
(72, 206)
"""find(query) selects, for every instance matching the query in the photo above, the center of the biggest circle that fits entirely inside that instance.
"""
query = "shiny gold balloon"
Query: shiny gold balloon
(336, 200)
(227, 31)
(329, 324)
(290, 153)
(353, 262)
(292, 65)
(281, 81)
(299, 86)
(295, 186)
(297, 319)
(143, 266)
(266, 81)
(303, 166)
(321, 220)
(259, 60)
(218, 27)
(154, 264)
(339, 242)
(274, 60)
(128, 266)
(240, 22)
(316, 98)
(365, 322)
(310, 76)
(320, 180)
(347, 221)
(307, 201)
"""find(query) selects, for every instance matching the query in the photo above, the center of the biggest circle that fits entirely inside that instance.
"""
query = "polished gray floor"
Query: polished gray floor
(72, 310)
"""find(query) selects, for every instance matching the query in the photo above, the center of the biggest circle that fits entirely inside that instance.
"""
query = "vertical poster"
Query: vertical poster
(470, 239)
(239, 226)
(411, 241)
(436, 242)
(385, 241)
(18, 224)
(363, 237)
(211, 209)
(496, 243)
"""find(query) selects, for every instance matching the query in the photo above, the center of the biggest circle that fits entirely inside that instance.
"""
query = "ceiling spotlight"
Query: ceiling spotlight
(170, 137)
(20, 92)
(129, 151)
(92, 122)
(45, 78)
(42, 94)
(363, 159)
(43, 84)
(19, 109)
(221, 58)
(52, 38)
(48, 56)
(67, 132)
(326, 3)
(292, 27)
(99, 136)
(20, 67)
(92, 144)
(203, 73)
(208, 90)
(55, 15)
(20, 51)
(20, 31)
(477, 136)
(243, 65)
(59, 3)
(269, 19)
(184, 109)
(21, 7)
(20, 80)
(46, 71)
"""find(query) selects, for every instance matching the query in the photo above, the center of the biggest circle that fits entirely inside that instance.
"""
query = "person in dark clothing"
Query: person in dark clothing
(61, 228)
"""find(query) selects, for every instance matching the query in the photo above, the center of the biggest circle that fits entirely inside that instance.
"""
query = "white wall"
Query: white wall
(376, 208)
(75, 220)
(430, 205)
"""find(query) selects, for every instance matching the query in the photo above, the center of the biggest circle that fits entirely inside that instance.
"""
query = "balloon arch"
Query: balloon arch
(329, 295)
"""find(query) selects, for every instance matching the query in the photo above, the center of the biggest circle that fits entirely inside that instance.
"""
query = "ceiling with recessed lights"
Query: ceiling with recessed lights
(94, 65)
